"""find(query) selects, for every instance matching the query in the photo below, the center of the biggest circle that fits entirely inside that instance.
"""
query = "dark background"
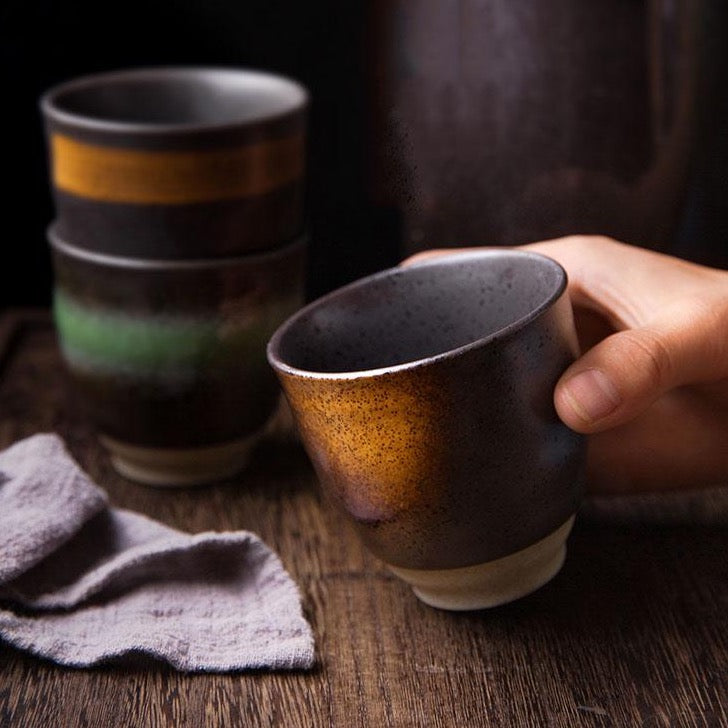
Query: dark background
(323, 44)
(319, 43)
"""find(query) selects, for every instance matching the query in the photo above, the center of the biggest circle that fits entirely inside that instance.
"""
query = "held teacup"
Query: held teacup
(423, 396)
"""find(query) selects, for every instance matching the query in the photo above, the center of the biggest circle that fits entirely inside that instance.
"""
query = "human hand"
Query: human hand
(651, 388)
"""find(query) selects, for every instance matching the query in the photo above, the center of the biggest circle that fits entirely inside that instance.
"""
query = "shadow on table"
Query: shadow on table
(636, 569)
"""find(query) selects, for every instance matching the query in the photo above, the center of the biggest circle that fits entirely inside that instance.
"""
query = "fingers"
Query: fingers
(624, 374)
(433, 253)
(627, 285)
(676, 444)
(671, 317)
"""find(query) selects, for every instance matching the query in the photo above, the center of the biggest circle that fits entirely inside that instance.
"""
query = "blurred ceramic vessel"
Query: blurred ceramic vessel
(424, 398)
(175, 163)
(520, 121)
(168, 357)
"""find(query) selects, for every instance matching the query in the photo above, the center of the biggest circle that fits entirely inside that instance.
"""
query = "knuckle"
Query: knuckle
(425, 255)
(712, 327)
(651, 353)
(590, 243)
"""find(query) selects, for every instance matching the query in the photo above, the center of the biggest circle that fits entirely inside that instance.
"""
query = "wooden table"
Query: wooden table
(633, 631)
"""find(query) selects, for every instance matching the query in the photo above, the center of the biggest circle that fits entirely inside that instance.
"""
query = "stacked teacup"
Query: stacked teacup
(178, 249)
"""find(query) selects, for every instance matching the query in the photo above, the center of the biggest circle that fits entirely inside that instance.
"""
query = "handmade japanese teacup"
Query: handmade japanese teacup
(168, 357)
(424, 397)
(177, 163)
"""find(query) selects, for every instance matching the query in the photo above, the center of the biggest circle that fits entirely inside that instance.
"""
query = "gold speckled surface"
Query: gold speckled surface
(439, 439)
(376, 442)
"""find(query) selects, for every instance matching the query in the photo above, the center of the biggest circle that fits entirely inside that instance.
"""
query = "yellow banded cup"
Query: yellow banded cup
(174, 163)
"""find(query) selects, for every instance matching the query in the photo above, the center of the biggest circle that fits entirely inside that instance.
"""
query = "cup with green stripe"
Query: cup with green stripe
(167, 357)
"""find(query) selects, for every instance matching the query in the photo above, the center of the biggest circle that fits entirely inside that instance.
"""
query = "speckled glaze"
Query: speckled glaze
(424, 398)
(177, 163)
(171, 354)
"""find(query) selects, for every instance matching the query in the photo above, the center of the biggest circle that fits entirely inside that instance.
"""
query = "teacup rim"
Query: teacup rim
(108, 260)
(273, 347)
(50, 108)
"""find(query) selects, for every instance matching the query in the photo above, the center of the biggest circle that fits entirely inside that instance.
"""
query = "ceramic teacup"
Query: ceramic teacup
(424, 397)
(168, 357)
(175, 163)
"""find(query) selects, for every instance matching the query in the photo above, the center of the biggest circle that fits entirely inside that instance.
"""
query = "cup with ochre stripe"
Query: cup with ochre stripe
(170, 163)
(178, 248)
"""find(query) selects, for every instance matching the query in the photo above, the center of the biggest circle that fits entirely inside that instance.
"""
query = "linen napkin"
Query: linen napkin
(82, 583)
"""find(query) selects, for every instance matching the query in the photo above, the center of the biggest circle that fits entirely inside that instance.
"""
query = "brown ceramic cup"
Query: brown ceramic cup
(177, 163)
(167, 358)
(424, 397)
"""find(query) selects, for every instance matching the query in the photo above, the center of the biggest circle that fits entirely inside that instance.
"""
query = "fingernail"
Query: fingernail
(591, 395)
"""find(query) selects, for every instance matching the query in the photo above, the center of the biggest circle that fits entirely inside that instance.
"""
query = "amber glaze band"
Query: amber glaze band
(174, 177)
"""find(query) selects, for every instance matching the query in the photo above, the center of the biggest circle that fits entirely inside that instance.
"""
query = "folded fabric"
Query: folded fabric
(82, 583)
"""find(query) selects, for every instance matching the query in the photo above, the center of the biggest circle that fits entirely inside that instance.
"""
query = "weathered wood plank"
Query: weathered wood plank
(633, 632)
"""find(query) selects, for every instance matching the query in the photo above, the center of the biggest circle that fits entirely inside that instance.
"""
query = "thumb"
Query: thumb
(625, 373)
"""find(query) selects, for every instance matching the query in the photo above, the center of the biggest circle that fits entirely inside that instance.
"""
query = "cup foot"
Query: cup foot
(494, 582)
(171, 467)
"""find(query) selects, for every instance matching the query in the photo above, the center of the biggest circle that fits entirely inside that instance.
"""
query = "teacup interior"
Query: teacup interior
(180, 97)
(408, 314)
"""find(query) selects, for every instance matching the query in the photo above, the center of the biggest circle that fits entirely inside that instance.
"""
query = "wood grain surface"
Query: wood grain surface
(632, 632)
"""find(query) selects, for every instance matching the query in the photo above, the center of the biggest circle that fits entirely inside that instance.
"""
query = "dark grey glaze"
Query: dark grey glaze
(222, 228)
(197, 112)
(424, 398)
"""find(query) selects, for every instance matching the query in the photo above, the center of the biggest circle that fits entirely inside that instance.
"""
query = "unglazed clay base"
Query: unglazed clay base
(173, 468)
(493, 582)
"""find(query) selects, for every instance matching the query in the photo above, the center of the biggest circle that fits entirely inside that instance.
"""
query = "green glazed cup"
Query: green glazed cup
(168, 357)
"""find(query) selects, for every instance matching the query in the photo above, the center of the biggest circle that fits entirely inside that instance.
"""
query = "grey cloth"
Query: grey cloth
(82, 583)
